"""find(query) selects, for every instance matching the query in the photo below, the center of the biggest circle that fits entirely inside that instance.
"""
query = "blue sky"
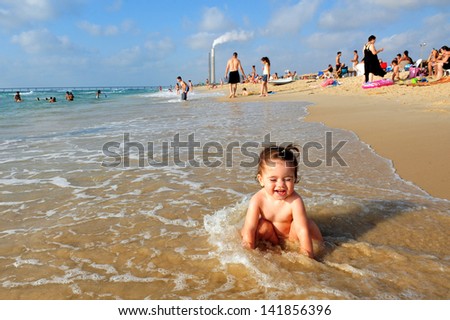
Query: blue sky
(136, 42)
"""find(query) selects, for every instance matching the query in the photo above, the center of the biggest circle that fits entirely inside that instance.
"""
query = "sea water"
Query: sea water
(138, 195)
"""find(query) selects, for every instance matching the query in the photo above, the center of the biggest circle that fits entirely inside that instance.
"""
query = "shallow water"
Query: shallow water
(72, 228)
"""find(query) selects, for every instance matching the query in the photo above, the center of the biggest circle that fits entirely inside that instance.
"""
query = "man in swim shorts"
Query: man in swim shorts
(233, 67)
(184, 88)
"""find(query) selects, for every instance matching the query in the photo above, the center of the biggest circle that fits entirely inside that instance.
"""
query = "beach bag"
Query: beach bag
(413, 72)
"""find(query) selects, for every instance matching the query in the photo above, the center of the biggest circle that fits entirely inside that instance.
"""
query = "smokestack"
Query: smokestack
(226, 37)
(209, 65)
(212, 63)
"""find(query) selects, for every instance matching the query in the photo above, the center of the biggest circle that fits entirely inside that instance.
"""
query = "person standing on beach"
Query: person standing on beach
(254, 74)
(184, 88)
(233, 67)
(371, 63)
(339, 65)
(355, 59)
(266, 75)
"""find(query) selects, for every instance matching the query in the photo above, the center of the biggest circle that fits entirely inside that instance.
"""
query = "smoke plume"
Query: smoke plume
(233, 36)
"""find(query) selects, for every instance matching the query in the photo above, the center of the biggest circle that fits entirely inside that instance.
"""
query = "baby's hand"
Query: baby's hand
(246, 244)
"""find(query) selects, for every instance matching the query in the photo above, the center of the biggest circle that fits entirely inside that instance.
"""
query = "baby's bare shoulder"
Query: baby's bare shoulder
(257, 198)
(294, 198)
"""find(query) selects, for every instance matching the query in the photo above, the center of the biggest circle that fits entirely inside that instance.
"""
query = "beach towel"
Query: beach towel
(329, 82)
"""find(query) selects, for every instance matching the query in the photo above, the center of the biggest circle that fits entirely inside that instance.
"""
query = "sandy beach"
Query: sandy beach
(404, 123)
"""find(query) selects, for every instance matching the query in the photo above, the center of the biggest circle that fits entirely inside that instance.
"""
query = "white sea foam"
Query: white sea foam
(75, 289)
(8, 232)
(180, 281)
(188, 223)
(15, 203)
(108, 268)
(351, 269)
(164, 189)
(20, 262)
(60, 182)
(69, 277)
(160, 94)
(131, 278)
(19, 182)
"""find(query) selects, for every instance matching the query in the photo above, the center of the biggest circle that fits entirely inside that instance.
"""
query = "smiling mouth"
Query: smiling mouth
(281, 192)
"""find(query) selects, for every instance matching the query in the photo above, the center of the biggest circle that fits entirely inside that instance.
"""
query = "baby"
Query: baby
(277, 212)
(395, 70)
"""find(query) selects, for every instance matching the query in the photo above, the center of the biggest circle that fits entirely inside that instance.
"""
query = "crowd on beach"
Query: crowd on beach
(435, 67)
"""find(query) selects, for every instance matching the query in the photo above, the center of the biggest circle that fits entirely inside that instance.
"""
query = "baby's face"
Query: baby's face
(278, 179)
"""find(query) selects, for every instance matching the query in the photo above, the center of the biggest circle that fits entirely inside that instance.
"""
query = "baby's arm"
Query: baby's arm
(251, 223)
(396, 73)
(300, 221)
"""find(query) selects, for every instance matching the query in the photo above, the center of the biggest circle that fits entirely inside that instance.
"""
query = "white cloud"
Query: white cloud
(98, 30)
(109, 30)
(326, 41)
(214, 20)
(128, 26)
(398, 42)
(289, 19)
(354, 15)
(42, 41)
(115, 6)
(213, 23)
(201, 40)
(433, 34)
(135, 56)
(126, 57)
(405, 4)
(159, 49)
(17, 13)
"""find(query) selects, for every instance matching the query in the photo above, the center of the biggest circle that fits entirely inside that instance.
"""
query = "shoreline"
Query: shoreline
(408, 125)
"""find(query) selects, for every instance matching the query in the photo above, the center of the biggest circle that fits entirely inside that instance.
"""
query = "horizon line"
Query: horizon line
(36, 88)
